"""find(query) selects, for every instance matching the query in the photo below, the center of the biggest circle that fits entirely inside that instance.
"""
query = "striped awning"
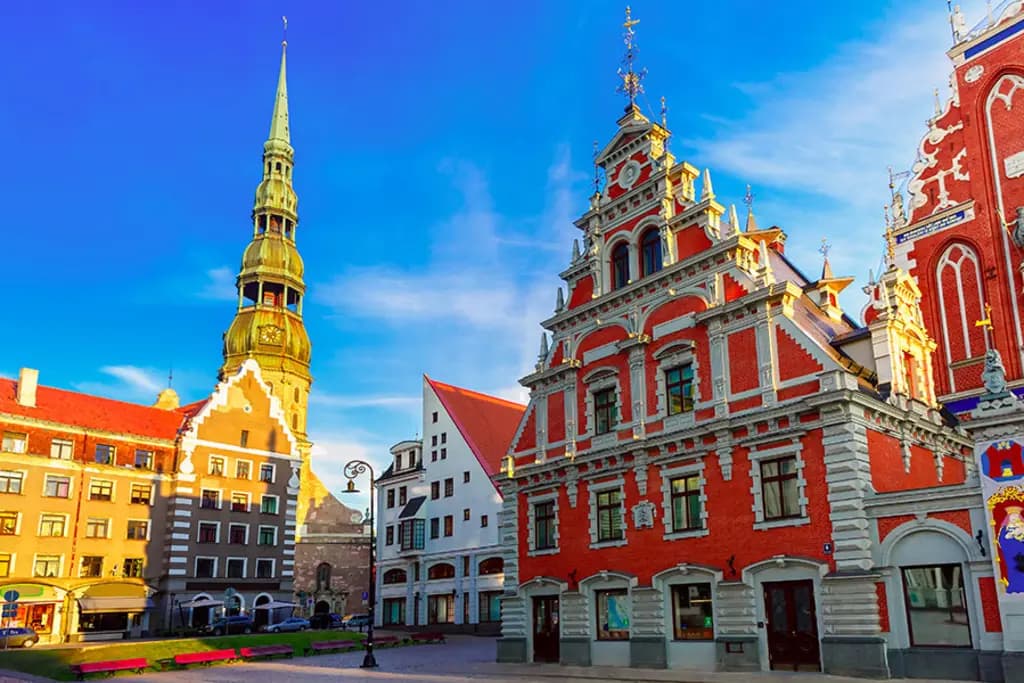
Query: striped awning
(137, 604)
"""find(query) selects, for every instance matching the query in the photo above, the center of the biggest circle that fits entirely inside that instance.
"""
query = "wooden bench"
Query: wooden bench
(385, 640)
(109, 667)
(266, 651)
(427, 637)
(206, 658)
(327, 645)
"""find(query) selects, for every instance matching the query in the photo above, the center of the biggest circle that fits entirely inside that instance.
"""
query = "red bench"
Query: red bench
(328, 645)
(207, 657)
(427, 637)
(108, 667)
(266, 651)
(385, 640)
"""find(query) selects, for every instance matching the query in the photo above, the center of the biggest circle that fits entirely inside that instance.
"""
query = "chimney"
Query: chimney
(28, 380)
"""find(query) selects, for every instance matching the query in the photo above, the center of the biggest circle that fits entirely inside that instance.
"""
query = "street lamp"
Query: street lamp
(352, 470)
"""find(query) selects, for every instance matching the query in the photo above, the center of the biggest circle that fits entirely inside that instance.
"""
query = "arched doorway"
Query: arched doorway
(200, 609)
(260, 617)
(322, 607)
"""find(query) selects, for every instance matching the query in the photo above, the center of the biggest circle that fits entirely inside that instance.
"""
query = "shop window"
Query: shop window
(61, 449)
(686, 507)
(679, 389)
(105, 453)
(91, 566)
(394, 611)
(441, 609)
(612, 615)
(544, 525)
(609, 516)
(393, 576)
(57, 486)
(132, 567)
(650, 251)
(937, 612)
(780, 488)
(100, 489)
(103, 621)
(620, 266)
(692, 617)
(10, 482)
(604, 410)
(490, 607)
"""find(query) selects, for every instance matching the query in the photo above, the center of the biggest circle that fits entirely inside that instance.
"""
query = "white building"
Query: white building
(439, 562)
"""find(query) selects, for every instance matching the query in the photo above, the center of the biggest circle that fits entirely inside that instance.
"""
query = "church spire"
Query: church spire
(279, 122)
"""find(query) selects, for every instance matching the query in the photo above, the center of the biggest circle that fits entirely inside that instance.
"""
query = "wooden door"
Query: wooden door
(545, 629)
(792, 624)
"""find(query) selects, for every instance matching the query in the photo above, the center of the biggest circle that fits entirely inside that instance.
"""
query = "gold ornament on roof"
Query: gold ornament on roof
(631, 78)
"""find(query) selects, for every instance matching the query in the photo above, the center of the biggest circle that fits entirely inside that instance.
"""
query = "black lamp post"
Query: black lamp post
(352, 470)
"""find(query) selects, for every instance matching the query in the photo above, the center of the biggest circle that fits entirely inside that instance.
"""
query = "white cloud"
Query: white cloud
(219, 285)
(136, 378)
(331, 451)
(128, 383)
(328, 400)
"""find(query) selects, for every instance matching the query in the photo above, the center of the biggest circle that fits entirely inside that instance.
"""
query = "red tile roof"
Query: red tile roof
(92, 412)
(487, 423)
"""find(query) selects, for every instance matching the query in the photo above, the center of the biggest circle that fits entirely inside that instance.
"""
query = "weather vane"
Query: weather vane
(284, 38)
(664, 113)
(825, 247)
(597, 177)
(631, 86)
(748, 199)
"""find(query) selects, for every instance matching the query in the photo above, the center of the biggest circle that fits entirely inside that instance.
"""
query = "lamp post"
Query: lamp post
(352, 470)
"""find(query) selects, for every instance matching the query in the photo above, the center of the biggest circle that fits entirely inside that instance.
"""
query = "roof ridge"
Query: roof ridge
(435, 383)
(95, 396)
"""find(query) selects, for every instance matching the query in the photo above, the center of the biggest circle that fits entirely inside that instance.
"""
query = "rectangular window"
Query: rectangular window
(686, 503)
(544, 525)
(205, 567)
(15, 442)
(141, 494)
(209, 499)
(243, 469)
(91, 566)
(389, 535)
(609, 516)
(46, 565)
(483, 520)
(441, 609)
(449, 488)
(101, 489)
(238, 534)
(8, 523)
(52, 525)
(132, 568)
(433, 440)
(435, 490)
(465, 477)
(10, 482)
(398, 461)
(394, 611)
(138, 529)
(207, 532)
(402, 495)
(679, 389)
(391, 498)
(410, 534)
(239, 502)
(236, 568)
(612, 615)
(61, 449)
(936, 606)
(466, 514)
(779, 490)
(401, 535)
(433, 456)
(105, 453)
(692, 618)
(243, 439)
(264, 569)
(96, 527)
(444, 437)
(435, 527)
(216, 466)
(433, 417)
(490, 606)
(143, 459)
(56, 486)
(268, 505)
(604, 410)
(444, 453)
(267, 535)
(267, 473)
(449, 525)
(5, 565)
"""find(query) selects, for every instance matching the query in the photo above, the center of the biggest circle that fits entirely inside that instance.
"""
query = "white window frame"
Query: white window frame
(617, 484)
(260, 528)
(71, 485)
(245, 567)
(23, 474)
(11, 569)
(195, 566)
(107, 520)
(220, 498)
(113, 454)
(39, 528)
(23, 441)
(149, 529)
(60, 564)
(17, 521)
(223, 465)
(248, 500)
(249, 462)
(63, 442)
(668, 473)
(532, 502)
(152, 495)
(756, 457)
(273, 567)
(277, 504)
(673, 355)
(245, 526)
(216, 539)
(103, 568)
(273, 473)
(598, 380)
(113, 489)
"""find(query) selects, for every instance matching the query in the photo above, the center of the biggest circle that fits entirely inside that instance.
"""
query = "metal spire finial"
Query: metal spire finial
(597, 176)
(170, 376)
(284, 33)
(664, 113)
(748, 199)
(825, 247)
(631, 86)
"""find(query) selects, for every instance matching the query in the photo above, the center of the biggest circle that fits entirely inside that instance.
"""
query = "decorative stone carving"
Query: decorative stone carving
(994, 374)
(643, 515)
(572, 479)
(186, 466)
(1018, 227)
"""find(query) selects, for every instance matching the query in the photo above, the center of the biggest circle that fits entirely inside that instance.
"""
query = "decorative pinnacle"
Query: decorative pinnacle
(748, 199)
(631, 85)
(826, 267)
(664, 113)
(707, 191)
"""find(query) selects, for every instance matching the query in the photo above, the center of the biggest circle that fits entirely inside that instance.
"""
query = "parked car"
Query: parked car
(235, 624)
(324, 620)
(355, 621)
(19, 636)
(289, 624)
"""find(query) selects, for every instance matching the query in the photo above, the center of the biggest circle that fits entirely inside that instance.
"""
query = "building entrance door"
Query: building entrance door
(545, 628)
(792, 625)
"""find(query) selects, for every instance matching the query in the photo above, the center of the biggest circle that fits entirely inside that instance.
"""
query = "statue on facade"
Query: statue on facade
(899, 216)
(1018, 227)
(994, 374)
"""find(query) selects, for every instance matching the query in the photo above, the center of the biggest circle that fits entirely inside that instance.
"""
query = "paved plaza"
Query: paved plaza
(462, 658)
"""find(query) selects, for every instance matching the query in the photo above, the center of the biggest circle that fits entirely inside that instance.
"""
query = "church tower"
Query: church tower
(268, 323)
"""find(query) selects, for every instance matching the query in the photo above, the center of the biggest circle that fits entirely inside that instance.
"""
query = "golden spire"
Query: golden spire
(630, 86)
(890, 240)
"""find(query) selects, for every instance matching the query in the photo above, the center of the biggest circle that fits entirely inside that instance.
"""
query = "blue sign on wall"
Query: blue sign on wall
(12, 596)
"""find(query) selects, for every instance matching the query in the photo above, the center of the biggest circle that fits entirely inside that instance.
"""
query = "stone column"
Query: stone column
(511, 646)
(647, 646)
(574, 617)
(852, 644)
(736, 639)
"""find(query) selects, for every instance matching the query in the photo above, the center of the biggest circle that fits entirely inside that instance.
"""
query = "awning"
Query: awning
(114, 604)
(275, 605)
(199, 604)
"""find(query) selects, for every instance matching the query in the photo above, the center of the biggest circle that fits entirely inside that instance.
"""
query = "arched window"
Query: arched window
(620, 266)
(441, 571)
(323, 576)
(960, 303)
(650, 252)
(492, 565)
(395, 576)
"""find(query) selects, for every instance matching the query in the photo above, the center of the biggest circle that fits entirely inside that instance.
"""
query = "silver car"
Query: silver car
(289, 624)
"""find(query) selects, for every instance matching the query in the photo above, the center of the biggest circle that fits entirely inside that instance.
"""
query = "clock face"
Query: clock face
(271, 334)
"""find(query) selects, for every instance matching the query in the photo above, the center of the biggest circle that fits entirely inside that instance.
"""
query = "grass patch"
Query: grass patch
(56, 663)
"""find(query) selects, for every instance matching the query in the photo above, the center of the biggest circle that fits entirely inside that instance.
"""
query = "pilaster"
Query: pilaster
(848, 477)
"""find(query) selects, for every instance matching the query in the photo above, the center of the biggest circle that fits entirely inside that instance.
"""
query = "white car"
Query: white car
(289, 624)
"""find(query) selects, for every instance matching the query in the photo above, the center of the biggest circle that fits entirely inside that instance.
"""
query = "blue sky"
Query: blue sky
(442, 151)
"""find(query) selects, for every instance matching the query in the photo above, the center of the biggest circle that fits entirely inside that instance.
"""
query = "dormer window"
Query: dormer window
(650, 252)
(620, 266)
(398, 461)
